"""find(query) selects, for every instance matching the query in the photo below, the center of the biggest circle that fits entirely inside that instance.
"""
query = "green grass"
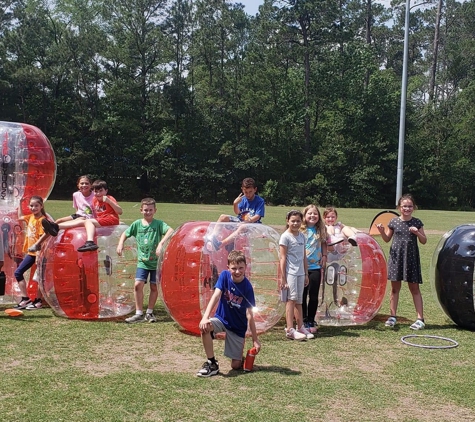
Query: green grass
(54, 369)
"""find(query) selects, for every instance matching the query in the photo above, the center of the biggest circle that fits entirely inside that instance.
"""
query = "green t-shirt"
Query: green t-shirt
(148, 237)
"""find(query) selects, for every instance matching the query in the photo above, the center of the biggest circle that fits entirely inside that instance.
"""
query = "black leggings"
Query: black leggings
(314, 278)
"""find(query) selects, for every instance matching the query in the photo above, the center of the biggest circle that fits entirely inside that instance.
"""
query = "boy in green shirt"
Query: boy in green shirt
(150, 235)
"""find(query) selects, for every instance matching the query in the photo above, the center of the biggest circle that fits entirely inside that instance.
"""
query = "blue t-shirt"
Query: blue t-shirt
(313, 248)
(234, 300)
(254, 207)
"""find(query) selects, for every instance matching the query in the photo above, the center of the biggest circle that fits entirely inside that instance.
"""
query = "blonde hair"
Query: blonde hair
(321, 228)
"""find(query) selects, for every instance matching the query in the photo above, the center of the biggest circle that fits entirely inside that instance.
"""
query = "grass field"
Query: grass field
(54, 369)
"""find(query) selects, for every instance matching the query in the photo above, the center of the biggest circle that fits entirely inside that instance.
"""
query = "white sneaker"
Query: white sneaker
(418, 325)
(305, 332)
(135, 318)
(293, 334)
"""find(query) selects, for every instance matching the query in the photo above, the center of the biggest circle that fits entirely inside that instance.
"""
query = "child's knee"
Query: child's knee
(138, 287)
(236, 364)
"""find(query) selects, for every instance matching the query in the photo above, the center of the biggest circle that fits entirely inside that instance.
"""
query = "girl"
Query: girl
(336, 230)
(315, 234)
(293, 266)
(33, 232)
(82, 202)
(404, 262)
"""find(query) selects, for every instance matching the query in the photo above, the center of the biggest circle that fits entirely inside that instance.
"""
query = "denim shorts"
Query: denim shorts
(142, 275)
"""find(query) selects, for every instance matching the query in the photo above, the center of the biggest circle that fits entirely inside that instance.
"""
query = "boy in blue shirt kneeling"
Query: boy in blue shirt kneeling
(234, 295)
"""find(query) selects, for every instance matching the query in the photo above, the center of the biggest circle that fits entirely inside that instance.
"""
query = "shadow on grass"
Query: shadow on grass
(261, 368)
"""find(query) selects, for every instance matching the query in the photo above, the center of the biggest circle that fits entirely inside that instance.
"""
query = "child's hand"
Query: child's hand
(104, 199)
(380, 228)
(413, 230)
(119, 249)
(238, 199)
(205, 325)
(257, 345)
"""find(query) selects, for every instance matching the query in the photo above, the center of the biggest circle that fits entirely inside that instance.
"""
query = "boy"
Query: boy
(150, 235)
(105, 209)
(235, 295)
(249, 208)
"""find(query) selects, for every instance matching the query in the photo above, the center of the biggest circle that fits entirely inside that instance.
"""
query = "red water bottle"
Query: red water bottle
(249, 361)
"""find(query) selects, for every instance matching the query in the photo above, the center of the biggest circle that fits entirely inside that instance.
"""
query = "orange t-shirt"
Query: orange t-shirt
(34, 230)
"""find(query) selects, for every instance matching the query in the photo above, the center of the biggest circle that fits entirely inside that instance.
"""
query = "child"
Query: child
(150, 235)
(106, 212)
(34, 231)
(294, 269)
(235, 298)
(82, 202)
(249, 208)
(404, 261)
(336, 230)
(315, 234)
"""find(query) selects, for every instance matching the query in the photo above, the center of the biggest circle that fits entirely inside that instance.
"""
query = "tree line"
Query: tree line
(182, 99)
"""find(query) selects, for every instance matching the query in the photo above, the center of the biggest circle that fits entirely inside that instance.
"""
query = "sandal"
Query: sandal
(391, 322)
(418, 325)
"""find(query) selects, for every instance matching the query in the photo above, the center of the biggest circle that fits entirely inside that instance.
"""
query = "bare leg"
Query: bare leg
(298, 314)
(22, 286)
(72, 223)
(152, 299)
(208, 344)
(236, 364)
(289, 313)
(349, 231)
(234, 234)
(138, 293)
(64, 219)
(394, 298)
(90, 226)
(417, 298)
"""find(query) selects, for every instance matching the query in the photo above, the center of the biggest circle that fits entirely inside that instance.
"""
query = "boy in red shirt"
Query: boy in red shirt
(106, 211)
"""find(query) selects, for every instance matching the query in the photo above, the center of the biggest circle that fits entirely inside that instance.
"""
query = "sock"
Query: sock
(213, 360)
(149, 311)
(138, 312)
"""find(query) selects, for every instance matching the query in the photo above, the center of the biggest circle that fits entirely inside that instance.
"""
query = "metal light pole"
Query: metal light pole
(402, 116)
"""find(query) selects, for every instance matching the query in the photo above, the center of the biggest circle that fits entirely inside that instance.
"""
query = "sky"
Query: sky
(252, 6)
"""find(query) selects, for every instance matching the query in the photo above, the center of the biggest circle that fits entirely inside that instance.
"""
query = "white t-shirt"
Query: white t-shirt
(295, 252)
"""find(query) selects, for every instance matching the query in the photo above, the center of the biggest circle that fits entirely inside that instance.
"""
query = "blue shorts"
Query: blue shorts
(142, 275)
